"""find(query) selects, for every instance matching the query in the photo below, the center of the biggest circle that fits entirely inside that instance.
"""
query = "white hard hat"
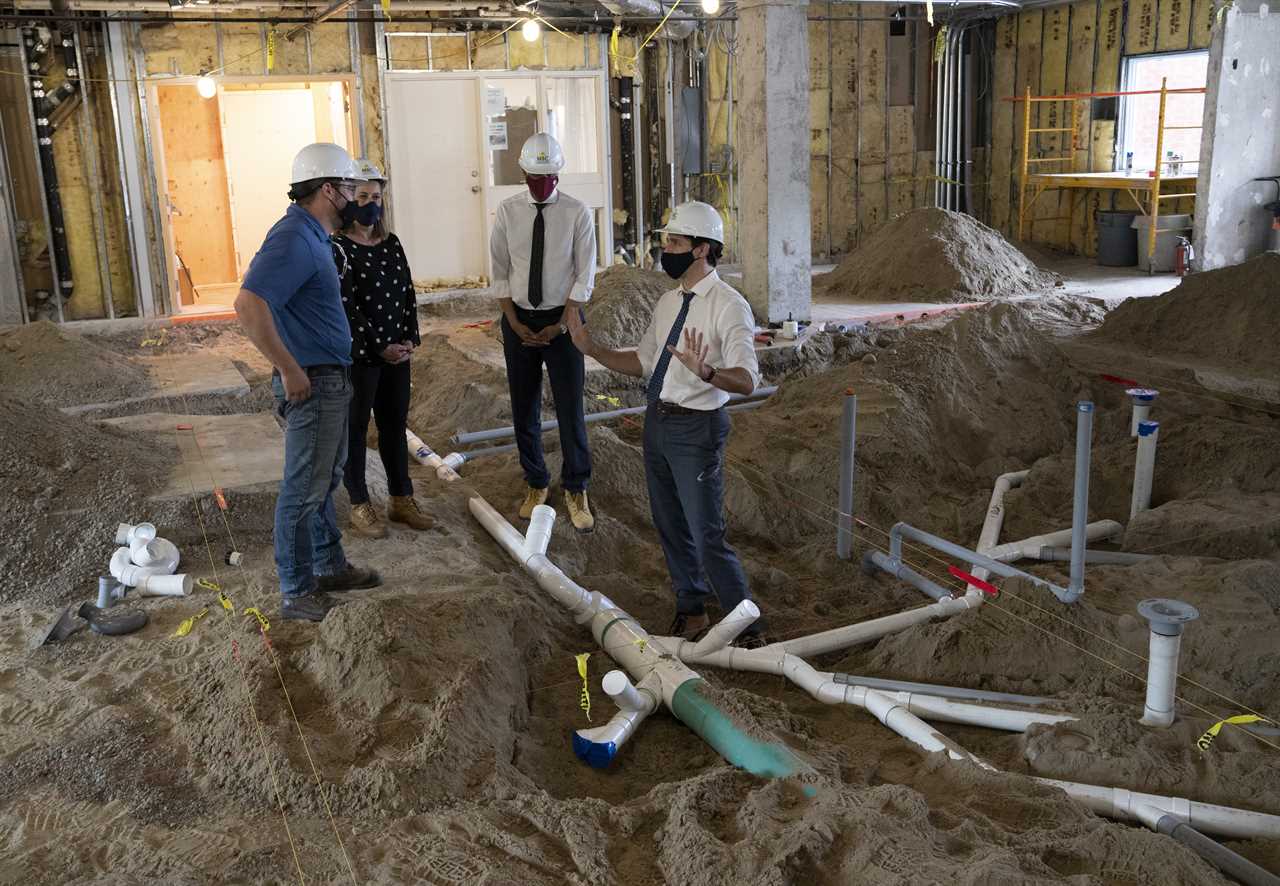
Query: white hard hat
(324, 160)
(541, 155)
(694, 219)
(370, 172)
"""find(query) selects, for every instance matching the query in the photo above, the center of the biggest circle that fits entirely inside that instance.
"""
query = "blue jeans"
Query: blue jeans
(683, 464)
(308, 541)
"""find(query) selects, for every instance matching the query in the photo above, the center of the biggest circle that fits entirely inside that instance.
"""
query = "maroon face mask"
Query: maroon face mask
(541, 186)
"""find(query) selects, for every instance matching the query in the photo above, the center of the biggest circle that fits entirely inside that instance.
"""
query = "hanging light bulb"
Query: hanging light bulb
(710, 7)
(531, 30)
(206, 86)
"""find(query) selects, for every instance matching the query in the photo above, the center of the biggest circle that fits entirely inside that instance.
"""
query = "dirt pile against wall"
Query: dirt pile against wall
(622, 304)
(47, 363)
(932, 255)
(1227, 316)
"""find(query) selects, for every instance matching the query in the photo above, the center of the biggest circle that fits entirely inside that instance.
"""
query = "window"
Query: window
(571, 117)
(511, 116)
(1140, 114)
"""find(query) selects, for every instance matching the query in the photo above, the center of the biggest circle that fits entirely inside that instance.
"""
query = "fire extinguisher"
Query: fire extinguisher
(1183, 256)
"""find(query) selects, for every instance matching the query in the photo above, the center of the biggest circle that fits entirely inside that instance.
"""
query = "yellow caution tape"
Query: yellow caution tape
(613, 41)
(208, 585)
(940, 45)
(1211, 733)
(226, 603)
(612, 401)
(643, 644)
(1222, 11)
(386, 8)
(188, 624)
(271, 50)
(257, 613)
(584, 700)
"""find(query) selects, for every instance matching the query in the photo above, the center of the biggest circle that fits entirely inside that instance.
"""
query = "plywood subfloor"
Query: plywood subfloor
(230, 452)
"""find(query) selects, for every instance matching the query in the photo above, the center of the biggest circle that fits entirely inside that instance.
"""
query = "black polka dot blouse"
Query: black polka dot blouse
(377, 292)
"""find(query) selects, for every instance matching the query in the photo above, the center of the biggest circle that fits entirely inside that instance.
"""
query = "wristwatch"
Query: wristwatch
(711, 374)
(563, 329)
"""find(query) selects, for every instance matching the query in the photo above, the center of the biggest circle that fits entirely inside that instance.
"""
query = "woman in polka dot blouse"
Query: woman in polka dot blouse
(377, 292)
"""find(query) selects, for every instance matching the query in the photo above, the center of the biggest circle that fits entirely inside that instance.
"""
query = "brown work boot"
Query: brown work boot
(580, 511)
(689, 627)
(365, 522)
(532, 498)
(404, 509)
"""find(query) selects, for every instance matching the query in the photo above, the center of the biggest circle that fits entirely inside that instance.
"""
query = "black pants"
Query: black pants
(384, 388)
(568, 373)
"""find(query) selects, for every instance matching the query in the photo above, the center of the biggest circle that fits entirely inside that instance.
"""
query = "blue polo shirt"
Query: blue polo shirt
(294, 273)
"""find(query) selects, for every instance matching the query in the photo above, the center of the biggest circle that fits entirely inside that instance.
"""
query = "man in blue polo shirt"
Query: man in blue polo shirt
(290, 306)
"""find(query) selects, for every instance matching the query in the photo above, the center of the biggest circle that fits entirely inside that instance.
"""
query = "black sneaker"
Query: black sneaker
(689, 626)
(752, 638)
(306, 607)
(352, 578)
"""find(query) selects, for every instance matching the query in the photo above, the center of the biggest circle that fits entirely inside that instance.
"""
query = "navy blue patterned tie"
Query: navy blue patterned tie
(664, 357)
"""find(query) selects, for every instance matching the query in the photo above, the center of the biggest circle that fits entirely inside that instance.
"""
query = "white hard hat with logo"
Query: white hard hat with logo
(324, 160)
(370, 172)
(541, 155)
(695, 219)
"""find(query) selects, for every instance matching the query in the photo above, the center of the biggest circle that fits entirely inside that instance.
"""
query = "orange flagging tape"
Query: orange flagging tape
(1117, 380)
(220, 498)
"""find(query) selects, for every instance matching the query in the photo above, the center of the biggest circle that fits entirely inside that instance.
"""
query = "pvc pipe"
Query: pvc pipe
(725, 631)
(598, 746)
(852, 635)
(949, 711)
(994, 521)
(538, 537)
(455, 460)
(159, 554)
(900, 570)
(1142, 399)
(128, 533)
(961, 692)
(1100, 558)
(1144, 467)
(1080, 499)
(1031, 548)
(848, 444)
(1225, 821)
(1162, 676)
(1231, 863)
(473, 454)
(425, 455)
(903, 530)
(464, 437)
(165, 585)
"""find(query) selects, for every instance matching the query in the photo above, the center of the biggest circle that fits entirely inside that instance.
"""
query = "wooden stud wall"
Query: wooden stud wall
(1074, 48)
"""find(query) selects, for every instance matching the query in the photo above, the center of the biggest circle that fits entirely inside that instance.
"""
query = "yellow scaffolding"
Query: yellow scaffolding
(1137, 186)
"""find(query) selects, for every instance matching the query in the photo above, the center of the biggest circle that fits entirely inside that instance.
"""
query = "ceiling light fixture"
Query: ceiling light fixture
(531, 30)
(710, 7)
(206, 86)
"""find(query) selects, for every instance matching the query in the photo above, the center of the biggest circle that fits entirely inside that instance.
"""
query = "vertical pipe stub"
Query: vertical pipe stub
(1142, 399)
(848, 441)
(1080, 497)
(1167, 618)
(1144, 467)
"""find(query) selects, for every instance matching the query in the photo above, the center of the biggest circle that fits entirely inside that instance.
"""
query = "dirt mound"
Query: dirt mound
(622, 304)
(68, 483)
(1228, 316)
(45, 363)
(933, 255)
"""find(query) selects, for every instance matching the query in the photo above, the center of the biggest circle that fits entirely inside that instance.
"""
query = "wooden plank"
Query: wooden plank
(1202, 18)
(1003, 164)
(1080, 62)
(1030, 47)
(1140, 30)
(1173, 28)
(1056, 37)
(197, 184)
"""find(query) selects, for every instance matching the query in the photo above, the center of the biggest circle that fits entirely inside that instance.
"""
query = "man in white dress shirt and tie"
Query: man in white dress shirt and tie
(699, 348)
(543, 249)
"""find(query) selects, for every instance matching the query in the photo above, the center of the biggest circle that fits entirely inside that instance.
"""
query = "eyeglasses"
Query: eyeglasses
(343, 265)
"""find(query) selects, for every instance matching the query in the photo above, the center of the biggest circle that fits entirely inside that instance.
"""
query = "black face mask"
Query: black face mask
(676, 263)
(349, 212)
(369, 214)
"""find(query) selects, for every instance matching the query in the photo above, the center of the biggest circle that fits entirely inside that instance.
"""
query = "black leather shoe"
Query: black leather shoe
(353, 578)
(306, 607)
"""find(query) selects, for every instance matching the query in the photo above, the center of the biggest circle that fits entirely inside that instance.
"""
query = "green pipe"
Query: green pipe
(692, 707)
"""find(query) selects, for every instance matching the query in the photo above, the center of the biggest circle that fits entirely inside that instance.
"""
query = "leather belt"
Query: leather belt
(665, 408)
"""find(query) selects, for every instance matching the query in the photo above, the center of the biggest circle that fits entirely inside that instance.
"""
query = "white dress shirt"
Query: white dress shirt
(568, 252)
(727, 325)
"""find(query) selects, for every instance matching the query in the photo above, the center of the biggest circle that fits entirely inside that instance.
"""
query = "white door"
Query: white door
(262, 130)
(437, 193)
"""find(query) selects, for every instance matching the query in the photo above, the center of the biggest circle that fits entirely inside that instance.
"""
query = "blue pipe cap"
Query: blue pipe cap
(596, 754)
(1147, 428)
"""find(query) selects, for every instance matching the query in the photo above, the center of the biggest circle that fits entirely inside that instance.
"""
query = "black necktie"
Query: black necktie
(535, 257)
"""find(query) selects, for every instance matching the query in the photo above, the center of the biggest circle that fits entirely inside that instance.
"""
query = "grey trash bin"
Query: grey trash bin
(1117, 240)
(1168, 229)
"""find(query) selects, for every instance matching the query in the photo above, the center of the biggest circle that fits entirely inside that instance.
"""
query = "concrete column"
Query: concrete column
(773, 158)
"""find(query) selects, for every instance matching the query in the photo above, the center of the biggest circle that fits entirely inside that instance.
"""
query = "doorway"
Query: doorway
(225, 163)
(453, 145)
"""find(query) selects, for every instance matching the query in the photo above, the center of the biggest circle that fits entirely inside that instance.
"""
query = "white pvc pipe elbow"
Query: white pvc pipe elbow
(725, 631)
(159, 554)
(538, 537)
(129, 533)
